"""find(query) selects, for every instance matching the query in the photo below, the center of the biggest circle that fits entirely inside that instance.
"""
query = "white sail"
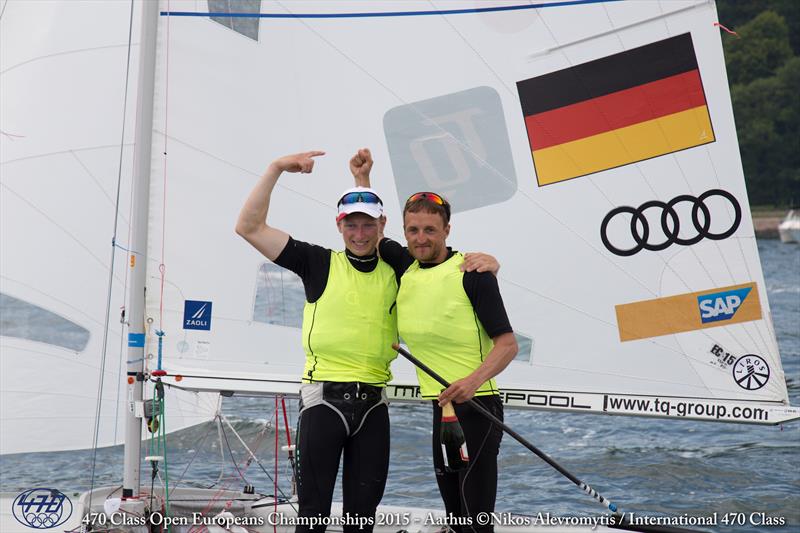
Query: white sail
(435, 95)
(431, 88)
(62, 82)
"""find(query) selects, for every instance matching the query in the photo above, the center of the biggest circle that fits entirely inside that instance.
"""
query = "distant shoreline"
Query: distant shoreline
(766, 225)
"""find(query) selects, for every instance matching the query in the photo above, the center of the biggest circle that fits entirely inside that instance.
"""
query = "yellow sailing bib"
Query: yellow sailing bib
(437, 321)
(348, 332)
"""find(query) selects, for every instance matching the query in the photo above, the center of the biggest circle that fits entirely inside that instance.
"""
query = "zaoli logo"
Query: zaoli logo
(721, 305)
(197, 315)
(42, 508)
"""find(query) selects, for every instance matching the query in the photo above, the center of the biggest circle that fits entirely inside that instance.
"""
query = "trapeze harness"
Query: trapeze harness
(347, 336)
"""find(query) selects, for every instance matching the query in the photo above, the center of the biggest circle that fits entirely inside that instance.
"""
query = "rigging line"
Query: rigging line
(169, 283)
(255, 458)
(128, 250)
(469, 45)
(290, 451)
(11, 136)
(197, 446)
(218, 420)
(3, 11)
(57, 225)
(231, 164)
(233, 458)
(66, 52)
(181, 401)
(68, 151)
(106, 327)
(119, 177)
(467, 149)
(228, 481)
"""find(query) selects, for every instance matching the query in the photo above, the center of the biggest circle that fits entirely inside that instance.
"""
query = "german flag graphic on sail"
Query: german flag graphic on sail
(616, 110)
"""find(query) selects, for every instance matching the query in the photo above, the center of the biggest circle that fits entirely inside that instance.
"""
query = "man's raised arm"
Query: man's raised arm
(360, 167)
(252, 222)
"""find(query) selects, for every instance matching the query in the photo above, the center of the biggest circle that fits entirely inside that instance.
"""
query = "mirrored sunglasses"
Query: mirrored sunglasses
(360, 197)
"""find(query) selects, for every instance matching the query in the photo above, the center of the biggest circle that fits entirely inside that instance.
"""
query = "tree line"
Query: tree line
(763, 65)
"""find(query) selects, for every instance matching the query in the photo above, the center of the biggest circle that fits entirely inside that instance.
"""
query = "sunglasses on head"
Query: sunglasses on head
(360, 197)
(431, 197)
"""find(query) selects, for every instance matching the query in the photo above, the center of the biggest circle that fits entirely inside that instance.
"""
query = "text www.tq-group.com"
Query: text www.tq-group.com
(687, 409)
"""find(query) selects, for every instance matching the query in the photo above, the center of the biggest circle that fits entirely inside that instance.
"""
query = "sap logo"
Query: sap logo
(721, 305)
(42, 508)
(197, 315)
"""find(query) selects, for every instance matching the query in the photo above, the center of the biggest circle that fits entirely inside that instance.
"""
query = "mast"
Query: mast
(138, 245)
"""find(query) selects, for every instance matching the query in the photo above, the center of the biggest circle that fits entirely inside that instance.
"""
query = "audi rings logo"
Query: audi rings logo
(671, 223)
(42, 508)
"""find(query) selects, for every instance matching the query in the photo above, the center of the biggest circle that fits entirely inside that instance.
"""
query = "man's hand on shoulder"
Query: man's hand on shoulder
(361, 166)
(480, 262)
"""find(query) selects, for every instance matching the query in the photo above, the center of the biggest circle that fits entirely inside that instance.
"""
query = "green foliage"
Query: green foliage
(735, 13)
(762, 48)
(764, 74)
(768, 126)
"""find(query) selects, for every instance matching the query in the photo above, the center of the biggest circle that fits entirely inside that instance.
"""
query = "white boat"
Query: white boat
(651, 303)
(789, 228)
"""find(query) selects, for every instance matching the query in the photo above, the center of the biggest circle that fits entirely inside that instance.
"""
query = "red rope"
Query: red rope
(286, 424)
(718, 25)
(275, 479)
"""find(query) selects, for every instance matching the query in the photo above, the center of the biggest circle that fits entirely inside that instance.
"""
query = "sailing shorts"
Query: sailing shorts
(352, 401)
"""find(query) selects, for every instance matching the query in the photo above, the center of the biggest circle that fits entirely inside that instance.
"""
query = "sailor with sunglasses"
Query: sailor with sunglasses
(343, 408)
(454, 322)
(343, 401)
